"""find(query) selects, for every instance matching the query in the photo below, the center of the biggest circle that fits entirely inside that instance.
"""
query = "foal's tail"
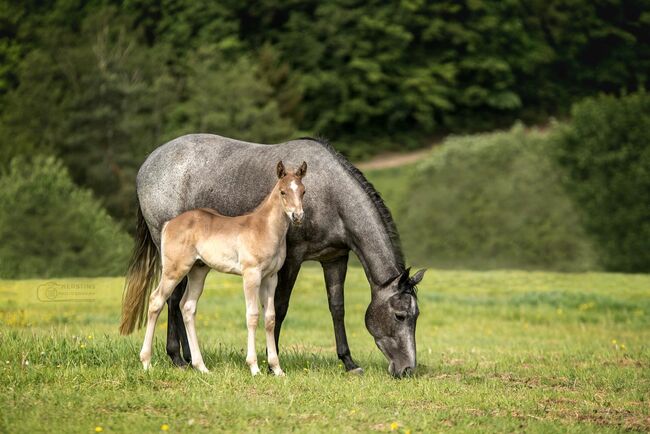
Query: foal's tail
(140, 278)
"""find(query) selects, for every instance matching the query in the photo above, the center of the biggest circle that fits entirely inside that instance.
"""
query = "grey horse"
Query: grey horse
(343, 212)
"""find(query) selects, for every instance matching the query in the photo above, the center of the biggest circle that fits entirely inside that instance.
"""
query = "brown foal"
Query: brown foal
(251, 245)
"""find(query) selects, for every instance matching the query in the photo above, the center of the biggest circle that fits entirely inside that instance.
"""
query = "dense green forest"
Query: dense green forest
(89, 88)
(101, 83)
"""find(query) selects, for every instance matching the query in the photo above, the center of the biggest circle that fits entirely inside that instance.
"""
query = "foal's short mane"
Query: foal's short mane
(375, 197)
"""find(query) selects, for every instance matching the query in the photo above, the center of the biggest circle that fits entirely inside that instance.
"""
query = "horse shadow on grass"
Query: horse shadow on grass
(293, 360)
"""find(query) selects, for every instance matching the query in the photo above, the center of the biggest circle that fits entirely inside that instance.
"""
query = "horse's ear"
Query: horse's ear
(280, 170)
(405, 275)
(417, 277)
(302, 170)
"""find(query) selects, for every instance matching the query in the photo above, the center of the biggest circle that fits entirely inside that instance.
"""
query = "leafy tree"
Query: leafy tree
(100, 105)
(51, 227)
(229, 98)
(606, 152)
(492, 201)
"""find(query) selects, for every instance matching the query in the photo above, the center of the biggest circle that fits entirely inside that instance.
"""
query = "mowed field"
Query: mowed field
(499, 351)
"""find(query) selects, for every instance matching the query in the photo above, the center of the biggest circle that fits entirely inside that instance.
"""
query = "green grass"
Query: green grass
(498, 351)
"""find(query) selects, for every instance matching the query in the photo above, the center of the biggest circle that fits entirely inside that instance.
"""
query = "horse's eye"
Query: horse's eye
(282, 192)
(400, 316)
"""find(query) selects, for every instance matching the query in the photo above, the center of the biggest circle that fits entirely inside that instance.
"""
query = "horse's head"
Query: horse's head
(292, 191)
(391, 318)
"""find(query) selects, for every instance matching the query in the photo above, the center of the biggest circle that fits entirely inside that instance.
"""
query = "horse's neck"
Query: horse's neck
(371, 241)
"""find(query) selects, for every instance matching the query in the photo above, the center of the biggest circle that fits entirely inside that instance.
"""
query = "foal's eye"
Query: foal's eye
(282, 192)
(400, 316)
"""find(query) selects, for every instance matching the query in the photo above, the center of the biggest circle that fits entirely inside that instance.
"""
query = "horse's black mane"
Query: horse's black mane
(375, 197)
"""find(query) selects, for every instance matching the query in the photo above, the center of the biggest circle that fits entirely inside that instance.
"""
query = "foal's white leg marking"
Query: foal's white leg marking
(195, 282)
(156, 303)
(251, 289)
(267, 294)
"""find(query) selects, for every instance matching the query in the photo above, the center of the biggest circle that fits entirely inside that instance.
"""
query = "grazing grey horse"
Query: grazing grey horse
(343, 212)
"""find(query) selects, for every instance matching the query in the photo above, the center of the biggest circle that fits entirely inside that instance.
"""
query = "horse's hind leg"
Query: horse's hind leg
(196, 280)
(252, 281)
(176, 335)
(267, 294)
(156, 303)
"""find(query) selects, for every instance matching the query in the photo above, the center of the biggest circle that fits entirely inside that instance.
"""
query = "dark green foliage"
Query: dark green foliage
(231, 98)
(101, 99)
(374, 74)
(606, 151)
(488, 201)
(50, 227)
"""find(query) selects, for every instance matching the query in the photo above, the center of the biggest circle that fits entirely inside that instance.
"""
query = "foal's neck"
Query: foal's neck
(272, 212)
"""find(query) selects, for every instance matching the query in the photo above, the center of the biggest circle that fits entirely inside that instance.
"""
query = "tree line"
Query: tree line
(101, 83)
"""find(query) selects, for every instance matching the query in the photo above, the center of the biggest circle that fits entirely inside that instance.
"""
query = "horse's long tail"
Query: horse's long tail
(140, 278)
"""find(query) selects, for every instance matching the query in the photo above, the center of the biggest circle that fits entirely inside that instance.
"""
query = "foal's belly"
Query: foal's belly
(220, 257)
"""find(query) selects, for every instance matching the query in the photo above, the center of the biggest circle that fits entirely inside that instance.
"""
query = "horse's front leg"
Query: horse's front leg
(286, 279)
(267, 294)
(335, 272)
(252, 281)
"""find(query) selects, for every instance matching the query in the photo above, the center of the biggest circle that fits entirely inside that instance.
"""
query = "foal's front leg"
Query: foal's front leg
(267, 294)
(252, 281)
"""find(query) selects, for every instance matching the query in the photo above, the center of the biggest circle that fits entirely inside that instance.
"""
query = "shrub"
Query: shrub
(606, 153)
(489, 201)
(51, 227)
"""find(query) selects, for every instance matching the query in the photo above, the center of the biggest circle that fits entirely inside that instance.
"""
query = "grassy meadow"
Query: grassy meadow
(500, 351)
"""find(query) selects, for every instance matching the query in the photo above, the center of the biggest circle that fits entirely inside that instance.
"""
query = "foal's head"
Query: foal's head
(292, 191)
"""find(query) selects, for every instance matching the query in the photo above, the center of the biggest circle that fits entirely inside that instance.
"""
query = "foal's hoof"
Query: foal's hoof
(279, 373)
(255, 371)
(356, 371)
(202, 369)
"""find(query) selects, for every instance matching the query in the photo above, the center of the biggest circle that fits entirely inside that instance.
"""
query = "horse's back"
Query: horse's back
(233, 177)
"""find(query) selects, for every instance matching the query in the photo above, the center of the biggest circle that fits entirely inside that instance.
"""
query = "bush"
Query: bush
(51, 227)
(489, 201)
(606, 152)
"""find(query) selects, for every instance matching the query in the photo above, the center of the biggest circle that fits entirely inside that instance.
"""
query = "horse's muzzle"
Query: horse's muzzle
(297, 217)
(407, 371)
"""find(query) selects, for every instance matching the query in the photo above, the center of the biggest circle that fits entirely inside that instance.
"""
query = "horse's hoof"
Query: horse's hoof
(255, 371)
(179, 362)
(279, 373)
(356, 371)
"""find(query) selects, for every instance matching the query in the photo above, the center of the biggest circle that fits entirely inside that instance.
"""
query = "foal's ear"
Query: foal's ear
(302, 170)
(280, 170)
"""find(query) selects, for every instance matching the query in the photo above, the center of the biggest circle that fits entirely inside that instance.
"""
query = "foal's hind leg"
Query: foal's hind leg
(156, 303)
(267, 294)
(196, 280)
(252, 281)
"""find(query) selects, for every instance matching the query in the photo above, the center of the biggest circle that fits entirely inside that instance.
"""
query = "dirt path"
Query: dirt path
(393, 159)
